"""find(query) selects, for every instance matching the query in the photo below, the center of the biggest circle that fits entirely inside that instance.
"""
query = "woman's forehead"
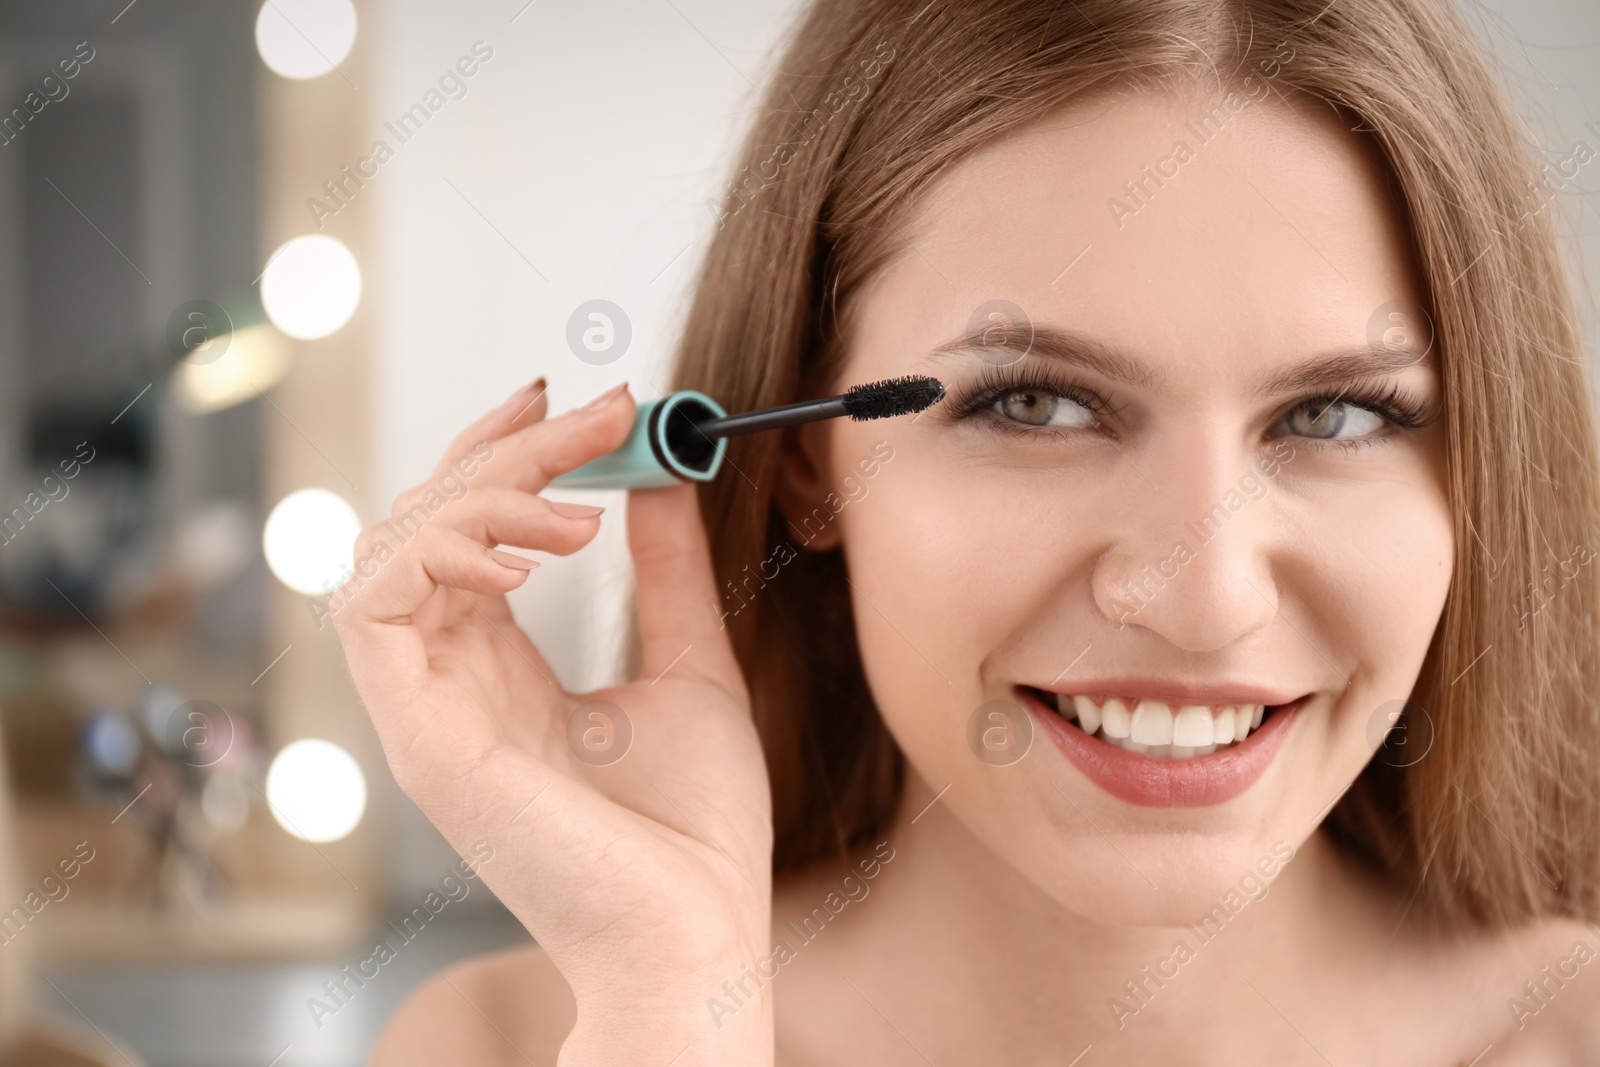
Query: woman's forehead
(1274, 234)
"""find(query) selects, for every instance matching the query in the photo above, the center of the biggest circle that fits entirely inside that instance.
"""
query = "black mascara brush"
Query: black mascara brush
(682, 437)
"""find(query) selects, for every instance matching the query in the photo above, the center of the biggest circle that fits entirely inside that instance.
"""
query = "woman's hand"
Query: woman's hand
(646, 879)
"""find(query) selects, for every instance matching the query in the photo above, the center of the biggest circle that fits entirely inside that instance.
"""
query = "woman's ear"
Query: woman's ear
(803, 486)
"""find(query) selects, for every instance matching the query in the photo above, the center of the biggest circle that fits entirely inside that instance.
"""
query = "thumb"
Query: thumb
(680, 614)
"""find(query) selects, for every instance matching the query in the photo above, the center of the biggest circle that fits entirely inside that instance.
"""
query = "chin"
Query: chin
(1193, 877)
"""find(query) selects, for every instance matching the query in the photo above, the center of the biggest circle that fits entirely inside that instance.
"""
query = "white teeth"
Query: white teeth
(1246, 717)
(1115, 721)
(1156, 729)
(1192, 726)
(1152, 723)
(1088, 715)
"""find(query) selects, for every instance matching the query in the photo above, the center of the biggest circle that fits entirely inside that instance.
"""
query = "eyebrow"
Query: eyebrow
(1328, 369)
(1048, 342)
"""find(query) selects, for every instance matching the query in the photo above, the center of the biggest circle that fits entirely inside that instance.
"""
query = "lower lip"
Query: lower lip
(1168, 783)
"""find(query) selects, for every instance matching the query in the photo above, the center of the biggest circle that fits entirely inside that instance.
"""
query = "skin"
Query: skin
(1020, 899)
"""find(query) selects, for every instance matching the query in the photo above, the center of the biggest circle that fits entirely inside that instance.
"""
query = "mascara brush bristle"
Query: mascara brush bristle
(891, 397)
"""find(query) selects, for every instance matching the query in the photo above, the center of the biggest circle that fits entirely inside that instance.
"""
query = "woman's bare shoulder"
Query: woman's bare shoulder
(510, 1007)
(1553, 1017)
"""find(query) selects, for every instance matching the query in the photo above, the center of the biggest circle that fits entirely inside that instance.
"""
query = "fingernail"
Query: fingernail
(605, 398)
(512, 560)
(575, 511)
(533, 388)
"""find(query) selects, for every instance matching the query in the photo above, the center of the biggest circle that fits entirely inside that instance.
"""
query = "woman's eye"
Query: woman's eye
(1338, 419)
(1036, 407)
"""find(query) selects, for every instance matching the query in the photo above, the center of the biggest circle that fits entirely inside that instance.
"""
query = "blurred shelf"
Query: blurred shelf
(284, 897)
(254, 929)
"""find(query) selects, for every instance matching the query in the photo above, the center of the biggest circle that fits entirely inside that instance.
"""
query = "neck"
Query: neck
(1013, 959)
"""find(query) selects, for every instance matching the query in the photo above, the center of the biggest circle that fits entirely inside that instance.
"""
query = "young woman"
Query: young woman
(1053, 725)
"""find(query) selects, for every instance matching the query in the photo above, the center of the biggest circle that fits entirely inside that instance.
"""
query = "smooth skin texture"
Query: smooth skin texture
(989, 553)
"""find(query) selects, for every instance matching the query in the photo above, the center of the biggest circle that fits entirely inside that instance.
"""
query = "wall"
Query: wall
(583, 151)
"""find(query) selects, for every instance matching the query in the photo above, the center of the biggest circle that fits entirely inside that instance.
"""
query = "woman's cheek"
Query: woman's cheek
(940, 564)
(1368, 579)
(1386, 543)
(933, 549)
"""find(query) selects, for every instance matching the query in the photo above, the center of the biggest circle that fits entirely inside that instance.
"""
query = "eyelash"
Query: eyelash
(971, 398)
(1405, 411)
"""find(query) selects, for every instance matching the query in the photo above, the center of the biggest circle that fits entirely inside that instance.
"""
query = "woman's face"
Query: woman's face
(1195, 463)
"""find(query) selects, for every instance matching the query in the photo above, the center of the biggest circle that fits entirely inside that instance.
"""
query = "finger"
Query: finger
(680, 617)
(522, 408)
(494, 515)
(528, 458)
(402, 580)
(387, 653)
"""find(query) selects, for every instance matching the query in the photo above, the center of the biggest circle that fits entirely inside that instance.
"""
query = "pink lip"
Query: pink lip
(1168, 783)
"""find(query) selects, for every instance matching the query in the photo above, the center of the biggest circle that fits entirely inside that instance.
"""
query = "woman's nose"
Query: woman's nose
(1193, 561)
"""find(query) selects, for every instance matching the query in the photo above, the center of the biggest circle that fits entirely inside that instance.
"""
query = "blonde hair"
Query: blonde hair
(874, 99)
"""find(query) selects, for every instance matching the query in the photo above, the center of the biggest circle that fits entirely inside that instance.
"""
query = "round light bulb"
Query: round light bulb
(310, 541)
(316, 790)
(311, 286)
(305, 38)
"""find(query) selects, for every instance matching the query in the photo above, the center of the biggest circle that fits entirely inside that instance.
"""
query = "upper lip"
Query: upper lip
(1174, 692)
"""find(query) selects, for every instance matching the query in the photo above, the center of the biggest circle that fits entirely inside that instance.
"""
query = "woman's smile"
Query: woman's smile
(1159, 755)
(1158, 728)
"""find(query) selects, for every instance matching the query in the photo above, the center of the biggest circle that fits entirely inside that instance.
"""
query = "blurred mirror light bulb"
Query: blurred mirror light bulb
(316, 791)
(311, 286)
(256, 359)
(310, 540)
(305, 38)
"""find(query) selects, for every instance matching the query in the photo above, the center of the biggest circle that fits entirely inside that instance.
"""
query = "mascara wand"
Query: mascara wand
(682, 437)
(875, 400)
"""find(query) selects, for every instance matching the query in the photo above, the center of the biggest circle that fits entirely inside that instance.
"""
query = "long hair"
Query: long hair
(874, 99)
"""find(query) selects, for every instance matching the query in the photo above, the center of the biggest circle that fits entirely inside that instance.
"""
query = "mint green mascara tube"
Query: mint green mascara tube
(683, 437)
(664, 448)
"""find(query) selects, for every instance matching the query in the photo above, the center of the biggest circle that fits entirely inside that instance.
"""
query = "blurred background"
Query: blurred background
(258, 264)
